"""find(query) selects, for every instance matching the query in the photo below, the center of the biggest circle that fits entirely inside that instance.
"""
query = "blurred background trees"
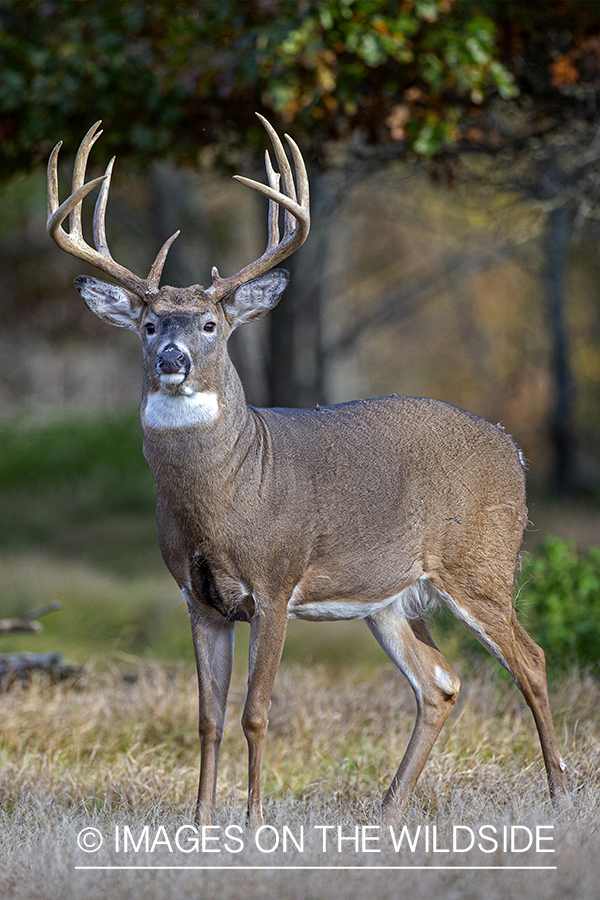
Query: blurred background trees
(171, 78)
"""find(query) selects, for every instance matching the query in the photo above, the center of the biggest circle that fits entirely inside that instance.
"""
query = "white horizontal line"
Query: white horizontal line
(312, 868)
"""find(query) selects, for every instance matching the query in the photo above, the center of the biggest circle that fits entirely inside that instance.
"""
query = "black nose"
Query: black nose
(172, 361)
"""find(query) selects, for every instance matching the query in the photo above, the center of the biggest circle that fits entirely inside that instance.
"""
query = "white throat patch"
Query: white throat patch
(181, 410)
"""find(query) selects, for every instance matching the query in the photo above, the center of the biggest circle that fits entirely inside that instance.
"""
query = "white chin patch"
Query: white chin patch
(181, 410)
(177, 378)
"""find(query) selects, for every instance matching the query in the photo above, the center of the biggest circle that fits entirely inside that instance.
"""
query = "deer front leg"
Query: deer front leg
(267, 635)
(213, 646)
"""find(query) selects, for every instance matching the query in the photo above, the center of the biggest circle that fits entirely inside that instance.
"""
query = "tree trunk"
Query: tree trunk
(296, 367)
(560, 227)
(282, 387)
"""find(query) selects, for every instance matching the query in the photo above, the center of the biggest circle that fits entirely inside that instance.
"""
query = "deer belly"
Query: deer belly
(330, 610)
(322, 597)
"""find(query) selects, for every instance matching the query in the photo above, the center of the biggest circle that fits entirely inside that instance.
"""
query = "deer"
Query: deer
(374, 509)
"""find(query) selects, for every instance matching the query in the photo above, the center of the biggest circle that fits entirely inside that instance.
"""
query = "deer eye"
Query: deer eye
(209, 326)
(150, 328)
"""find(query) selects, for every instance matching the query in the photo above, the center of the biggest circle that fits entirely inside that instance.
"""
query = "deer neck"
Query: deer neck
(204, 433)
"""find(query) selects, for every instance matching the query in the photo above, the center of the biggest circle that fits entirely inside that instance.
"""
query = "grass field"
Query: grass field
(117, 747)
(107, 751)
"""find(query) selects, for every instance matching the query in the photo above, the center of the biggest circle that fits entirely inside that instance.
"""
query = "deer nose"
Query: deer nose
(172, 361)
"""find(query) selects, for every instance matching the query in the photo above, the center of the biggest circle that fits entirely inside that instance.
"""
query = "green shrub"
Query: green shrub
(557, 596)
(559, 603)
(79, 488)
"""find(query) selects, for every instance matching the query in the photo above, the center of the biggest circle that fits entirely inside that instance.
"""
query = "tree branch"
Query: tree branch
(398, 304)
(27, 622)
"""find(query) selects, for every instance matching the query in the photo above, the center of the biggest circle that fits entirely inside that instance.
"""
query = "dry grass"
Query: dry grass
(110, 751)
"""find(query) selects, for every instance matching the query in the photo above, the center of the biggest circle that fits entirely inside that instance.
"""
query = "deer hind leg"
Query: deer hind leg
(494, 623)
(410, 646)
(213, 646)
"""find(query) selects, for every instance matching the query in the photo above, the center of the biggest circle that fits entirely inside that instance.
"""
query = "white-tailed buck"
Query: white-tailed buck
(374, 509)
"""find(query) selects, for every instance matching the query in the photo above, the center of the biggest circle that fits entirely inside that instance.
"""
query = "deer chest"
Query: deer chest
(224, 593)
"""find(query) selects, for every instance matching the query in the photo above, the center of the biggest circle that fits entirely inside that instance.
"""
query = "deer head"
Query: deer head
(184, 331)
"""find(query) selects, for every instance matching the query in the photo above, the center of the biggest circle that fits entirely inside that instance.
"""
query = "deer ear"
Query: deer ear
(110, 303)
(253, 299)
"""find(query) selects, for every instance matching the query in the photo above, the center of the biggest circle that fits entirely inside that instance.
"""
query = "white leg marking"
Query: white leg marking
(386, 627)
(475, 628)
(445, 681)
(180, 410)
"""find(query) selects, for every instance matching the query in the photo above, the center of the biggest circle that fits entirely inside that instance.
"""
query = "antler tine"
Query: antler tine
(79, 176)
(53, 202)
(301, 173)
(297, 219)
(274, 179)
(285, 170)
(100, 213)
(153, 280)
(73, 242)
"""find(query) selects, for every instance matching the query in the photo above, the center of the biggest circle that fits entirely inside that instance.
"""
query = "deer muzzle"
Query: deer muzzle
(172, 365)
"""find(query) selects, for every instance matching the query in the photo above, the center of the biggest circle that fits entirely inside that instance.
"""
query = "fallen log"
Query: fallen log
(21, 665)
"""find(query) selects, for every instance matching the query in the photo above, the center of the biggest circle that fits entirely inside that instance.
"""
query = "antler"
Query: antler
(296, 221)
(73, 242)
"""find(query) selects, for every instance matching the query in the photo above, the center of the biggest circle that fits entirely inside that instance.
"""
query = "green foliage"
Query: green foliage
(107, 449)
(559, 600)
(103, 617)
(79, 488)
(557, 596)
(171, 77)
(414, 62)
